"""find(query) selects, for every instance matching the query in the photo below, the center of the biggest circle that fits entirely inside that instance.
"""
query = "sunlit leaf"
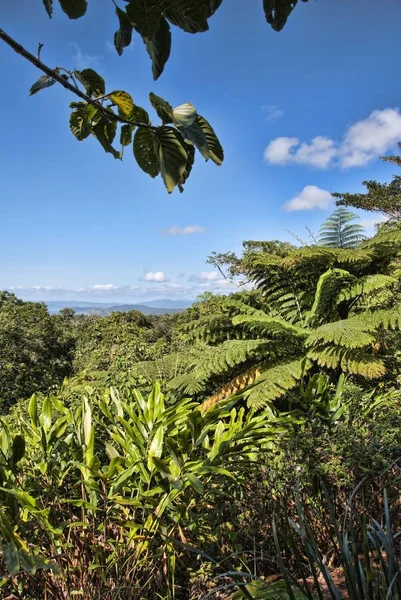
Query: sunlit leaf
(215, 148)
(163, 108)
(42, 83)
(123, 101)
(184, 115)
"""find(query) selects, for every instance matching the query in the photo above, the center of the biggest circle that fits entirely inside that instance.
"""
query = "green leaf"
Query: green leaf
(196, 136)
(126, 134)
(215, 148)
(187, 15)
(42, 83)
(86, 420)
(104, 131)
(123, 36)
(163, 108)
(123, 101)
(93, 83)
(11, 558)
(145, 16)
(159, 47)
(173, 156)
(184, 115)
(33, 410)
(49, 7)
(46, 415)
(74, 9)
(195, 483)
(190, 162)
(146, 150)
(18, 449)
(139, 115)
(209, 7)
(156, 445)
(80, 123)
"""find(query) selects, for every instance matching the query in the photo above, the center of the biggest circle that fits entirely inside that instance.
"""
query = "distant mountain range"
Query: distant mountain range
(153, 307)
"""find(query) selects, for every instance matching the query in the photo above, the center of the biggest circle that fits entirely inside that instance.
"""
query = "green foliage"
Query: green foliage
(127, 474)
(337, 232)
(35, 353)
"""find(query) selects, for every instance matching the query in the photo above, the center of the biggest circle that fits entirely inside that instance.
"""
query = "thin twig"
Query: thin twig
(63, 80)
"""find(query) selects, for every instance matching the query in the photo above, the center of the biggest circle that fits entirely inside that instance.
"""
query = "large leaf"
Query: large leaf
(80, 123)
(42, 83)
(145, 16)
(156, 446)
(123, 36)
(184, 115)
(93, 83)
(215, 148)
(124, 102)
(146, 151)
(126, 134)
(18, 449)
(190, 162)
(186, 14)
(74, 8)
(139, 115)
(196, 136)
(104, 131)
(159, 47)
(163, 108)
(48, 6)
(173, 156)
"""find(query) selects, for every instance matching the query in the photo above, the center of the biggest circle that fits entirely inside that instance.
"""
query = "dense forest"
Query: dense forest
(247, 447)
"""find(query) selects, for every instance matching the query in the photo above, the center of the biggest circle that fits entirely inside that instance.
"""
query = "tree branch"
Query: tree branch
(62, 80)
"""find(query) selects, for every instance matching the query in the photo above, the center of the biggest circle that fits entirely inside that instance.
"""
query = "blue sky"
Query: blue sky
(300, 113)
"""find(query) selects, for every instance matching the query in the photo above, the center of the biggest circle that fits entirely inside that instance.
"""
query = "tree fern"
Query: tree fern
(338, 232)
(329, 286)
(364, 286)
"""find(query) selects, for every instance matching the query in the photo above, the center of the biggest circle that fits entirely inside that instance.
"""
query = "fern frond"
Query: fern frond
(361, 363)
(162, 369)
(232, 387)
(325, 306)
(388, 319)
(349, 333)
(275, 383)
(269, 326)
(364, 286)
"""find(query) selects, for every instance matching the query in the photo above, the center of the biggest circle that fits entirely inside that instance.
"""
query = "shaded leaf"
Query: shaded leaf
(42, 83)
(74, 9)
(11, 558)
(49, 7)
(277, 12)
(93, 83)
(18, 449)
(159, 47)
(187, 15)
(139, 115)
(197, 137)
(190, 162)
(209, 7)
(173, 156)
(123, 36)
(163, 108)
(104, 131)
(195, 483)
(80, 124)
(146, 151)
(123, 101)
(184, 115)
(215, 148)
(145, 16)
(126, 134)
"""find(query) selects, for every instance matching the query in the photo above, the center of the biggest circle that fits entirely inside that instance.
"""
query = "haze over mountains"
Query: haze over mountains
(152, 307)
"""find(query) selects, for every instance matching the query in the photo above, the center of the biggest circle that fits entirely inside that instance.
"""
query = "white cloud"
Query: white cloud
(85, 61)
(102, 287)
(310, 197)
(363, 142)
(157, 277)
(188, 230)
(272, 111)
